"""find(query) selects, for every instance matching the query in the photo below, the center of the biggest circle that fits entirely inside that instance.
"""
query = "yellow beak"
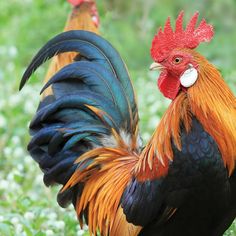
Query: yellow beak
(156, 66)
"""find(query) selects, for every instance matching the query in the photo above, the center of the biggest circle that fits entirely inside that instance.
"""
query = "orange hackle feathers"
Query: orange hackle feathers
(165, 41)
(214, 105)
(79, 19)
(106, 178)
(154, 160)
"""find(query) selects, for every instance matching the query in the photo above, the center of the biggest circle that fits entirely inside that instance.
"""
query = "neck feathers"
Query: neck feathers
(214, 105)
(154, 159)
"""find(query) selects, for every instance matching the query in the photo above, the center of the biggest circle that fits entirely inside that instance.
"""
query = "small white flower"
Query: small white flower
(14, 100)
(28, 160)
(14, 220)
(59, 224)
(18, 152)
(4, 184)
(20, 167)
(7, 151)
(49, 232)
(39, 179)
(42, 213)
(18, 228)
(62, 209)
(15, 140)
(29, 215)
(3, 121)
(10, 176)
(12, 51)
(80, 232)
(52, 216)
(13, 186)
(10, 66)
(29, 107)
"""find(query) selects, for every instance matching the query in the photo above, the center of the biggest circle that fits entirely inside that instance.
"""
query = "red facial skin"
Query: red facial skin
(173, 67)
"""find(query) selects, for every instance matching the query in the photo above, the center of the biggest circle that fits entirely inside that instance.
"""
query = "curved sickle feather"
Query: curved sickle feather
(89, 45)
(102, 81)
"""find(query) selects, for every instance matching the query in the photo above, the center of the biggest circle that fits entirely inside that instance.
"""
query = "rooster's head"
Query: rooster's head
(172, 52)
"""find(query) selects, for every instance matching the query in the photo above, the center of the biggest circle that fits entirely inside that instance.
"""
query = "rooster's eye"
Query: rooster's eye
(177, 60)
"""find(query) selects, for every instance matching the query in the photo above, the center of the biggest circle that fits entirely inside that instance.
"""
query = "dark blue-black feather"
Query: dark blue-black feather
(92, 47)
(89, 100)
(192, 198)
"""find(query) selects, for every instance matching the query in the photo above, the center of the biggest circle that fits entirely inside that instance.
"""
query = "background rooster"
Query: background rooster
(84, 16)
(86, 137)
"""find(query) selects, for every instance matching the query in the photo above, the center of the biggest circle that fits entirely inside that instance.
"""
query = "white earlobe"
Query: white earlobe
(189, 77)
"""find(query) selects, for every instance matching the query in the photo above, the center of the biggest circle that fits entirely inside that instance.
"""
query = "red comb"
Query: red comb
(78, 2)
(94, 12)
(165, 41)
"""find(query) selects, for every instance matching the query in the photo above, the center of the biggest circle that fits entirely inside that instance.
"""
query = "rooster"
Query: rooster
(84, 16)
(85, 136)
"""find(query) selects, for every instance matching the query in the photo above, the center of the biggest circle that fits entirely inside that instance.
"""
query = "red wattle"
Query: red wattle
(168, 85)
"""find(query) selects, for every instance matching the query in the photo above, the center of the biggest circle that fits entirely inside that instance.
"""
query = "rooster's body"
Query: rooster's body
(86, 137)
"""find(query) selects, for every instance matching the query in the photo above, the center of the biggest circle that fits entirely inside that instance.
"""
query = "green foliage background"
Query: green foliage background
(27, 207)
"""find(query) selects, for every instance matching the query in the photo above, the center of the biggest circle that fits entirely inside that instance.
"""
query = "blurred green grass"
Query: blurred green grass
(27, 207)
